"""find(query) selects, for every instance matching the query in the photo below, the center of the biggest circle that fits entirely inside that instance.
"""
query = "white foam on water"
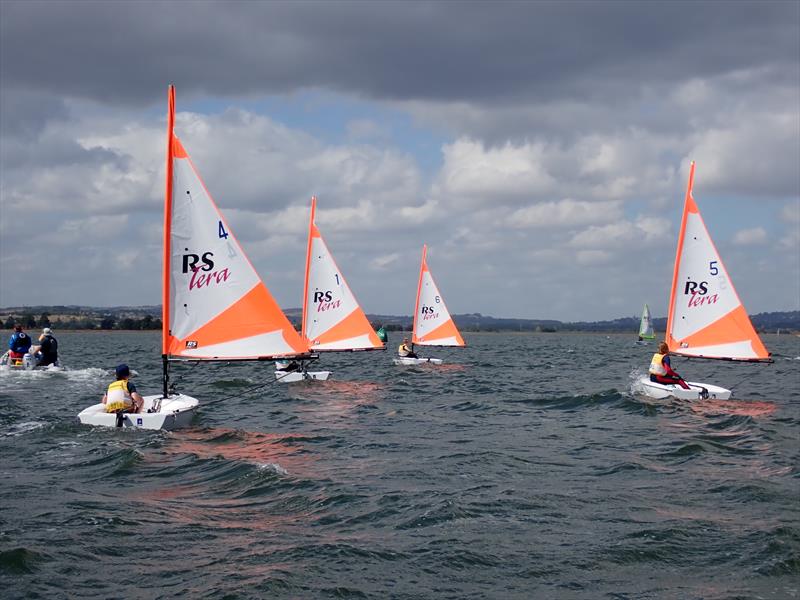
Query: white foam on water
(273, 467)
(88, 374)
(25, 427)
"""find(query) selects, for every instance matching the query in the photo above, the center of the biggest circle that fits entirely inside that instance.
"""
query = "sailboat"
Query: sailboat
(645, 327)
(332, 321)
(214, 305)
(433, 325)
(706, 318)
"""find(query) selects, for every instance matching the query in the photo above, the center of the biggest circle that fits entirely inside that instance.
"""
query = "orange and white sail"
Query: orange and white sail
(332, 317)
(706, 318)
(215, 305)
(433, 325)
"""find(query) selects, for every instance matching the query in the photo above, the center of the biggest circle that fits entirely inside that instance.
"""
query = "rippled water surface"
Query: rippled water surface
(522, 468)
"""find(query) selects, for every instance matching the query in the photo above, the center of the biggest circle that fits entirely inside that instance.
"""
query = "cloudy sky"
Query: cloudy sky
(540, 149)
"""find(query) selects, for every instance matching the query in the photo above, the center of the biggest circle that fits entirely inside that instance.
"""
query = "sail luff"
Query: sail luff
(166, 266)
(676, 268)
(422, 268)
(304, 324)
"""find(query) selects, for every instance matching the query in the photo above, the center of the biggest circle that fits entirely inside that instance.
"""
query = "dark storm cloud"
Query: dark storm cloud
(484, 53)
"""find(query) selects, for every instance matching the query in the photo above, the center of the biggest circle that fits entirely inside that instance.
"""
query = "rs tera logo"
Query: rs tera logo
(697, 293)
(325, 301)
(209, 277)
(428, 312)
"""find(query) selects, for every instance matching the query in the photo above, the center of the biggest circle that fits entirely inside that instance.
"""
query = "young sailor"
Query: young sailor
(405, 351)
(122, 395)
(661, 369)
(286, 365)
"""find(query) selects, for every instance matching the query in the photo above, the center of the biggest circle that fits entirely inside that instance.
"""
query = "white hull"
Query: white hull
(26, 363)
(294, 376)
(176, 411)
(405, 360)
(661, 391)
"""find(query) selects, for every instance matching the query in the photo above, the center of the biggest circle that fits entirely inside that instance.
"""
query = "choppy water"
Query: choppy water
(523, 469)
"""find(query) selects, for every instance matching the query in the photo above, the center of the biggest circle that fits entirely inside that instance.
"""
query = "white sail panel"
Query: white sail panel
(431, 310)
(209, 270)
(704, 293)
(329, 299)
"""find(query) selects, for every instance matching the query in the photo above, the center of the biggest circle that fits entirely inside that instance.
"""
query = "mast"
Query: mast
(304, 318)
(419, 292)
(671, 309)
(165, 289)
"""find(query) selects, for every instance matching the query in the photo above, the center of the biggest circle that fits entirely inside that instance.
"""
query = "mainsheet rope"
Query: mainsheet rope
(238, 394)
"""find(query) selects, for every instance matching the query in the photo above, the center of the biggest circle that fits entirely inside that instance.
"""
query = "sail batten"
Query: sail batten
(333, 321)
(215, 304)
(706, 318)
(433, 325)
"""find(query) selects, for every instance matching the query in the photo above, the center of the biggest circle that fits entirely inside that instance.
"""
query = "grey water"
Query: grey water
(524, 467)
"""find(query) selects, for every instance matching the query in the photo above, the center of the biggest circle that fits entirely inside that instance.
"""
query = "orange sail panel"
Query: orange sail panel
(215, 304)
(332, 317)
(706, 317)
(433, 325)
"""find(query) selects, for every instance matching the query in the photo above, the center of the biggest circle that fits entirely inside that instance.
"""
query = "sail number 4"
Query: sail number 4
(222, 233)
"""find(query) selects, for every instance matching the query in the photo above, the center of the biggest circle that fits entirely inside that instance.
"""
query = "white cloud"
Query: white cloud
(750, 237)
(593, 257)
(624, 234)
(564, 213)
(475, 174)
(791, 212)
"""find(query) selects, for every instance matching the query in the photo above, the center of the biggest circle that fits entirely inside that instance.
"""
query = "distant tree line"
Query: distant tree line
(104, 322)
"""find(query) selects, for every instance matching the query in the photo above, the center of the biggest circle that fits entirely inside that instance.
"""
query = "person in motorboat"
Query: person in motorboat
(18, 344)
(406, 351)
(661, 369)
(46, 352)
(121, 395)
